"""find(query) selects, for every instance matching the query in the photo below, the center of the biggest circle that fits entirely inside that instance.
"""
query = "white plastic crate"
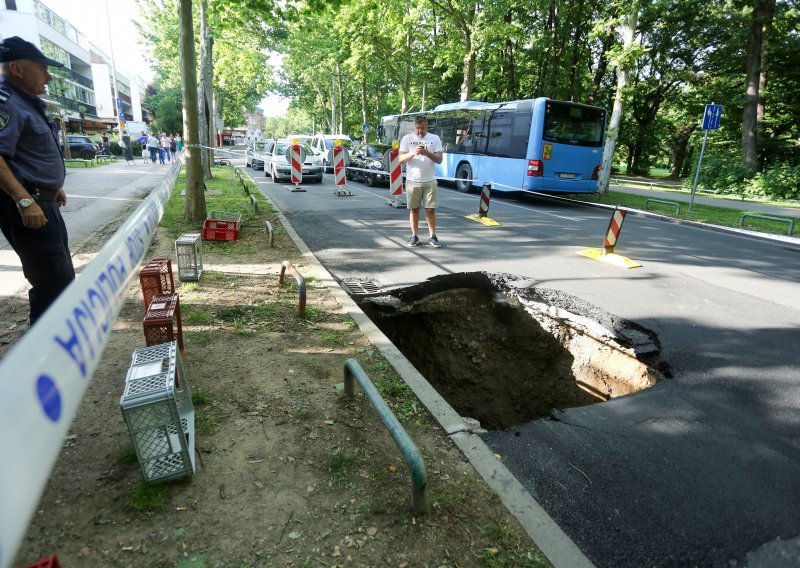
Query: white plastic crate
(189, 252)
(157, 407)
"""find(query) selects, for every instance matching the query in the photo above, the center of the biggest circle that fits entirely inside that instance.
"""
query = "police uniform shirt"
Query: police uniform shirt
(28, 141)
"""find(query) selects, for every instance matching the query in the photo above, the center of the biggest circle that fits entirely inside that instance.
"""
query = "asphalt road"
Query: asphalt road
(95, 198)
(698, 470)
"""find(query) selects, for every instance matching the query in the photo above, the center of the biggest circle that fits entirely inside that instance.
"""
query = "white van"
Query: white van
(322, 143)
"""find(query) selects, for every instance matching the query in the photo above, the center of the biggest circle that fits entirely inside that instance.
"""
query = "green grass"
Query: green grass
(198, 317)
(201, 397)
(205, 422)
(126, 454)
(147, 497)
(198, 338)
(701, 213)
(341, 464)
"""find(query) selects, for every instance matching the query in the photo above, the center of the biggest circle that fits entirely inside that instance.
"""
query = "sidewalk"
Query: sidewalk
(731, 203)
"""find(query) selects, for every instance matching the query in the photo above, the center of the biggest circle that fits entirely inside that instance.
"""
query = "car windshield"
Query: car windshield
(375, 151)
(345, 143)
(258, 146)
(280, 148)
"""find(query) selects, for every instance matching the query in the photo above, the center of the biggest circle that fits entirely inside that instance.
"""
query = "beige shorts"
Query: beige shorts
(422, 194)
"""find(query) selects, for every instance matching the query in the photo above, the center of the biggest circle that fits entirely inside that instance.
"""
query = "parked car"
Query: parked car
(81, 146)
(367, 164)
(278, 166)
(255, 154)
(322, 144)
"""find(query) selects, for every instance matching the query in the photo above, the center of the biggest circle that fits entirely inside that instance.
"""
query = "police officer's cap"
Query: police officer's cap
(14, 48)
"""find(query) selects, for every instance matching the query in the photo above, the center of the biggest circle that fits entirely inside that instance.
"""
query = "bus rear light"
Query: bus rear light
(535, 168)
(596, 172)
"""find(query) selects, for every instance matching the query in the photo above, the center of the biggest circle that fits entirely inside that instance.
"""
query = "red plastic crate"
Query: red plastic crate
(156, 278)
(219, 230)
(49, 562)
(162, 320)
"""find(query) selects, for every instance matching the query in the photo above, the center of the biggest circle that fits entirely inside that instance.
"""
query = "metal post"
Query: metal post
(697, 173)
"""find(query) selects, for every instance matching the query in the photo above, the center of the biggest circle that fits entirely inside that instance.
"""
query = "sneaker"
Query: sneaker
(413, 241)
(434, 242)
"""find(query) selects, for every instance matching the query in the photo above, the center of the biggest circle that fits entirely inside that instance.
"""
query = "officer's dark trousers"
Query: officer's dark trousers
(44, 253)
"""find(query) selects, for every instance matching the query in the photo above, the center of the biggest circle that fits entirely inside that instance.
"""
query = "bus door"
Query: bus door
(506, 133)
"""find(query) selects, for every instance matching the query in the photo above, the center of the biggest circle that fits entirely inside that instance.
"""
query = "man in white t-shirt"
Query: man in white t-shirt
(420, 151)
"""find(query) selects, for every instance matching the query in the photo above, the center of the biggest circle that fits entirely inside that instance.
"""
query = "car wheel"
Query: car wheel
(275, 176)
(463, 174)
(87, 154)
(370, 180)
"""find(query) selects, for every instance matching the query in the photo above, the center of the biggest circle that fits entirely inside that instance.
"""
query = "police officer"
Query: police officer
(32, 175)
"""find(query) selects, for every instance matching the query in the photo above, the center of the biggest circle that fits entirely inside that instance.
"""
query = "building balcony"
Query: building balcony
(78, 78)
(77, 106)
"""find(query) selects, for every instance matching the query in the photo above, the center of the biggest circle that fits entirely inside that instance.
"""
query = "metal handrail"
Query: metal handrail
(769, 218)
(665, 202)
(413, 457)
(254, 203)
(271, 233)
(301, 284)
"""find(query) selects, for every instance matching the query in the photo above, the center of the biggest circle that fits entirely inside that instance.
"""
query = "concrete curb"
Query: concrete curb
(542, 529)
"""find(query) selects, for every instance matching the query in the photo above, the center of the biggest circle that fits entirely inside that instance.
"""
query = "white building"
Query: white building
(83, 89)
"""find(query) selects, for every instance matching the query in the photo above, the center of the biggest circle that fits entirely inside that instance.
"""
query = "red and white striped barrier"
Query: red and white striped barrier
(296, 163)
(482, 216)
(392, 163)
(607, 254)
(486, 195)
(614, 229)
(338, 164)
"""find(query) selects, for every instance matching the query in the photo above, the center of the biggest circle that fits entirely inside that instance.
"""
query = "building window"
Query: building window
(53, 51)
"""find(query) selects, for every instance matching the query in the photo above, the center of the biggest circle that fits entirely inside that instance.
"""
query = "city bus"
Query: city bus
(538, 144)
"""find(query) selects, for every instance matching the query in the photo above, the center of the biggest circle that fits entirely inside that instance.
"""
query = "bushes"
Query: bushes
(725, 175)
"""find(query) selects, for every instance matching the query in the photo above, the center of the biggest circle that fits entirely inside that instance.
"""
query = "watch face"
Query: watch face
(25, 202)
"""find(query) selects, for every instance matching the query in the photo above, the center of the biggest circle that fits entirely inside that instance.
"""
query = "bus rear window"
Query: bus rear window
(565, 123)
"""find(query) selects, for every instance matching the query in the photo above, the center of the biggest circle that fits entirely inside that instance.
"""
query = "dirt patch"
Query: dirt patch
(289, 471)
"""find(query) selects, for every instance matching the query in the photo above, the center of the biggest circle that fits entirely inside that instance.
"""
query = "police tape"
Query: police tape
(216, 150)
(44, 377)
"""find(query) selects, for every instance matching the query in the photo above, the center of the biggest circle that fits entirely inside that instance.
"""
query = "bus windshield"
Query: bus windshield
(566, 123)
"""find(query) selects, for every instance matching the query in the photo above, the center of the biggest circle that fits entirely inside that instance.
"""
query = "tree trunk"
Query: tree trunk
(681, 147)
(468, 83)
(340, 100)
(602, 66)
(207, 129)
(762, 76)
(406, 74)
(759, 24)
(616, 114)
(511, 71)
(195, 210)
(364, 105)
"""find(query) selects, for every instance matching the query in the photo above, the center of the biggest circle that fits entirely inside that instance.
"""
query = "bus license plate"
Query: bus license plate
(566, 176)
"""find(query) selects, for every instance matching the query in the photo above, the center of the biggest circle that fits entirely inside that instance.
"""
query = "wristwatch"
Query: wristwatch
(27, 202)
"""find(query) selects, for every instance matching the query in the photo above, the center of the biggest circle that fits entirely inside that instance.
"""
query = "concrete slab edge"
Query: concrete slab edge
(775, 239)
(542, 529)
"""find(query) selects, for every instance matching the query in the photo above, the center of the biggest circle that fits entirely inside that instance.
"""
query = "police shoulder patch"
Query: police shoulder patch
(5, 94)
(3, 120)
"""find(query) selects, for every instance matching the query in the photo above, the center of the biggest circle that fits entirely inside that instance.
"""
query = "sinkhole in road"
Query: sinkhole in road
(504, 352)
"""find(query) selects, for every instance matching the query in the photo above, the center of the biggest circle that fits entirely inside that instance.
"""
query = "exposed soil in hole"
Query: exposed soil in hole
(498, 352)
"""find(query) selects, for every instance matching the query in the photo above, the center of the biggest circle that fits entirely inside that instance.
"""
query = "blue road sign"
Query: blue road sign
(366, 128)
(712, 116)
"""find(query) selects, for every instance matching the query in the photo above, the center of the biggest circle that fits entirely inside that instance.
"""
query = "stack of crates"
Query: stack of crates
(162, 321)
(157, 407)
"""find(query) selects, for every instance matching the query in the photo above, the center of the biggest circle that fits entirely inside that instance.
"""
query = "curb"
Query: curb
(554, 543)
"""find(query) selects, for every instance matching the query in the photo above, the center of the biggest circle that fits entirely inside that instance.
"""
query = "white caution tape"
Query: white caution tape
(44, 377)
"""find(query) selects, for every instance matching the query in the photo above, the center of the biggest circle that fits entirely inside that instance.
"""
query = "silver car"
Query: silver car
(278, 166)
(255, 155)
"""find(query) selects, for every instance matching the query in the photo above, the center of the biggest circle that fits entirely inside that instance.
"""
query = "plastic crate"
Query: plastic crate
(162, 321)
(157, 408)
(222, 226)
(49, 562)
(156, 279)
(189, 252)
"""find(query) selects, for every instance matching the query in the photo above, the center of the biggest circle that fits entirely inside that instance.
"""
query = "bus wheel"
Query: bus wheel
(463, 175)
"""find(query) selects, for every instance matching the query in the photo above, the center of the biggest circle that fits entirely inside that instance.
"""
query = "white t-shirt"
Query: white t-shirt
(420, 168)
